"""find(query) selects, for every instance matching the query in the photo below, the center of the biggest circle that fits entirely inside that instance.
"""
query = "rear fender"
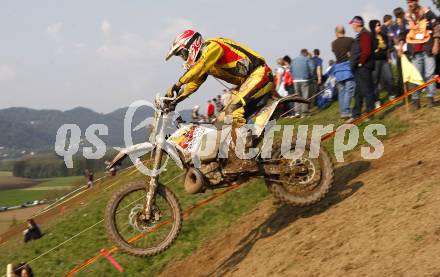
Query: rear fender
(270, 112)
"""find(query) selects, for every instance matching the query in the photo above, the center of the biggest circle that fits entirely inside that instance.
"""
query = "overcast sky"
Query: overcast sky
(105, 54)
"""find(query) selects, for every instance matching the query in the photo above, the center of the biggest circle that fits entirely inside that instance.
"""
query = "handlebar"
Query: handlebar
(164, 98)
(161, 99)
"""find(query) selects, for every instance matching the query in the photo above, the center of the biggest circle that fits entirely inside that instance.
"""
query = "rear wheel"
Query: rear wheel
(303, 181)
(132, 234)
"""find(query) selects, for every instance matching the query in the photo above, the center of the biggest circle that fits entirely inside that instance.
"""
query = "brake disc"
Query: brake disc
(307, 167)
(143, 225)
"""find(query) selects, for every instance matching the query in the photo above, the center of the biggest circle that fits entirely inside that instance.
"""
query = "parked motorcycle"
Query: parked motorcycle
(144, 218)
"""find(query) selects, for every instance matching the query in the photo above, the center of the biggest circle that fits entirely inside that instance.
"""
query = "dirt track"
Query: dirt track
(381, 219)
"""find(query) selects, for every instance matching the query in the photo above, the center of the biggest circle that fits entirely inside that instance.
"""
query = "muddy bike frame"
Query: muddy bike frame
(159, 142)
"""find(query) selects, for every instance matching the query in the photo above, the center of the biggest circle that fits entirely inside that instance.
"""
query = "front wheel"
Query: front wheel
(127, 229)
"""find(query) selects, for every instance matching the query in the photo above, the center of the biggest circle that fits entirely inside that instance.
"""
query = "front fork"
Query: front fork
(154, 181)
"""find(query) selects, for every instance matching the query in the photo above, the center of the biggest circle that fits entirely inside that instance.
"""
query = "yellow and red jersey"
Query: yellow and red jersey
(224, 59)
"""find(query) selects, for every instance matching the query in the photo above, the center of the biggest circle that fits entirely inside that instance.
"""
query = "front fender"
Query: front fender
(143, 148)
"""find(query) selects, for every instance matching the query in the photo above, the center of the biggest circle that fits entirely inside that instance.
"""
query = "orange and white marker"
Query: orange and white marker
(111, 260)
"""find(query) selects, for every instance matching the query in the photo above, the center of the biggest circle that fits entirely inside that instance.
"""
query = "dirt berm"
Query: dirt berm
(381, 219)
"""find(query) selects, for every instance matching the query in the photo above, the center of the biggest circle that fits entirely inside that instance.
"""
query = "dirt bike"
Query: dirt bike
(144, 218)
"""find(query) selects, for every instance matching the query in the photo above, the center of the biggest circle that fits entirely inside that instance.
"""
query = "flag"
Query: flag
(111, 260)
(410, 72)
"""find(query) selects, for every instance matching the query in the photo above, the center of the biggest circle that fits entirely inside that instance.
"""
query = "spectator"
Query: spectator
(219, 103)
(288, 76)
(388, 27)
(210, 111)
(399, 24)
(317, 72)
(422, 38)
(302, 70)
(363, 65)
(382, 57)
(23, 270)
(279, 79)
(32, 232)
(390, 31)
(331, 63)
(195, 113)
(324, 99)
(214, 101)
(284, 84)
(283, 77)
(89, 178)
(398, 29)
(345, 83)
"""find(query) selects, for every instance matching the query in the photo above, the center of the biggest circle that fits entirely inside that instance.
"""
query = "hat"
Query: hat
(357, 19)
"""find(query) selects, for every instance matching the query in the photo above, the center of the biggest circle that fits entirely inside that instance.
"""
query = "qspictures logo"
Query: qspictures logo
(201, 140)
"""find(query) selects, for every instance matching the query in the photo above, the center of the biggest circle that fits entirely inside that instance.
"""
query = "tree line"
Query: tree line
(49, 166)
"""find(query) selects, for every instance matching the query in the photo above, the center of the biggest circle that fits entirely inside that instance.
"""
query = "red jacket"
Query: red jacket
(211, 109)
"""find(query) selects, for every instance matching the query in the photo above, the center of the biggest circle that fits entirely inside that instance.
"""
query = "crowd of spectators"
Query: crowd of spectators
(213, 108)
(363, 66)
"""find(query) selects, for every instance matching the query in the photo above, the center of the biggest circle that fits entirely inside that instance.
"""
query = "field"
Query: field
(7, 181)
(205, 224)
(35, 189)
(47, 189)
(5, 174)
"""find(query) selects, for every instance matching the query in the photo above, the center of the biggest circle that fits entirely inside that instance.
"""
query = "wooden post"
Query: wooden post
(405, 86)
(405, 89)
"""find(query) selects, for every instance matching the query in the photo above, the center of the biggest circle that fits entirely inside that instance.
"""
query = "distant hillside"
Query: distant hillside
(24, 130)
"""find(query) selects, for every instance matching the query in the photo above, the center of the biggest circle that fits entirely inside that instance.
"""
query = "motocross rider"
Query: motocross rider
(229, 61)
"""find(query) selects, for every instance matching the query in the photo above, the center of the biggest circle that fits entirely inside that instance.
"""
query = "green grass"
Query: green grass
(204, 224)
(5, 174)
(61, 181)
(15, 197)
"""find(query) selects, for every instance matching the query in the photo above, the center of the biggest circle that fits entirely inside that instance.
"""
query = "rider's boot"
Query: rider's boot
(234, 163)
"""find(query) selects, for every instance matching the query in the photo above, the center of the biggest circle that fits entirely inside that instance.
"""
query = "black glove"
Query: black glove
(174, 90)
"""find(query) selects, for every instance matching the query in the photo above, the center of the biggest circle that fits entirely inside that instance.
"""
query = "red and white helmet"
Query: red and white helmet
(187, 45)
